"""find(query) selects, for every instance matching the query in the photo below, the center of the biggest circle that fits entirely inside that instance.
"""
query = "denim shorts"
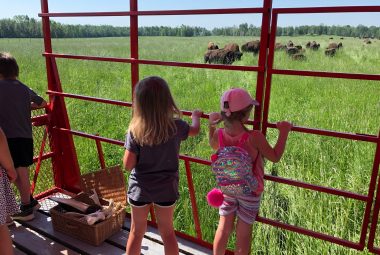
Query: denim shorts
(245, 207)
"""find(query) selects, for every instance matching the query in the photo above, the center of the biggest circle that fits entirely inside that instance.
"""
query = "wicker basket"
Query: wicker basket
(109, 184)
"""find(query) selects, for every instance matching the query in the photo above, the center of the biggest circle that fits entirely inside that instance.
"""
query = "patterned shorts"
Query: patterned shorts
(8, 205)
(245, 207)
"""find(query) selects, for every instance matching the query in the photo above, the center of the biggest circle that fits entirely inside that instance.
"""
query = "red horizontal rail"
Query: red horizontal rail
(154, 13)
(156, 62)
(115, 102)
(88, 98)
(207, 162)
(334, 9)
(39, 120)
(351, 136)
(357, 76)
(331, 191)
(44, 156)
(310, 233)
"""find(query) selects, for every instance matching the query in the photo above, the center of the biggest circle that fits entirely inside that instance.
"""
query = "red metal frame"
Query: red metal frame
(65, 163)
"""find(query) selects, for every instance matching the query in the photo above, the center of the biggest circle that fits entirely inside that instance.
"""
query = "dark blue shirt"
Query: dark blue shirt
(155, 176)
(15, 108)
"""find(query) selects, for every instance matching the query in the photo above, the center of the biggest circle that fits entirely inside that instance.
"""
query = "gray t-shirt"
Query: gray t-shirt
(15, 108)
(155, 176)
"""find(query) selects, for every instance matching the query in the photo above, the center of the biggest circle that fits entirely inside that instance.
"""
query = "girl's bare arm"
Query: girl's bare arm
(129, 160)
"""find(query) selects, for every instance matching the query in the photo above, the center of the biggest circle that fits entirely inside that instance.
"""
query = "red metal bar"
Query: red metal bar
(156, 62)
(263, 55)
(88, 98)
(134, 42)
(351, 136)
(134, 12)
(334, 9)
(194, 206)
(268, 82)
(38, 166)
(44, 156)
(100, 153)
(374, 222)
(311, 233)
(40, 120)
(371, 192)
(357, 76)
(304, 185)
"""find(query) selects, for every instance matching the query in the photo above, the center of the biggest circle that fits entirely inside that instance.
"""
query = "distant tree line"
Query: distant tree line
(22, 26)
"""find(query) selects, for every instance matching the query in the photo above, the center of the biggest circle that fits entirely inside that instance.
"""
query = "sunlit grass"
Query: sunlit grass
(335, 104)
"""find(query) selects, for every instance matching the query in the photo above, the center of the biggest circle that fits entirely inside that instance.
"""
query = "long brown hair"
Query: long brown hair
(154, 111)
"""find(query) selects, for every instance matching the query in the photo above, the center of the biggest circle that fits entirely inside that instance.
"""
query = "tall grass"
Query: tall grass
(335, 104)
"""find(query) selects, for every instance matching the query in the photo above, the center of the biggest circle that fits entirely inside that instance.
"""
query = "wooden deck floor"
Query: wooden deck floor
(38, 237)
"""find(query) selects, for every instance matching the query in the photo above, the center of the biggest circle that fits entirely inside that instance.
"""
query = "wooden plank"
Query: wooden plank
(24, 237)
(42, 224)
(185, 246)
(148, 247)
(151, 245)
(17, 251)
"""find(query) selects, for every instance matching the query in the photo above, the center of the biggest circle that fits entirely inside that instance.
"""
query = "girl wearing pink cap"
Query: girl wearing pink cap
(236, 105)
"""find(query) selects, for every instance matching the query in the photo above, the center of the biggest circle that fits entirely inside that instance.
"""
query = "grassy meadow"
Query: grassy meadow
(334, 104)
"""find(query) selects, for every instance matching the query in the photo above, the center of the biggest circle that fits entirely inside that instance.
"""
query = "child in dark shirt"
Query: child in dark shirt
(16, 102)
(152, 153)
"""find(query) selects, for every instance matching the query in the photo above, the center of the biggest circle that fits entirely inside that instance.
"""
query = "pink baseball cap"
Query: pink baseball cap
(236, 99)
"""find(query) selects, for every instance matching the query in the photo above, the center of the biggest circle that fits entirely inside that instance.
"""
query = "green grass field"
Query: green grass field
(333, 104)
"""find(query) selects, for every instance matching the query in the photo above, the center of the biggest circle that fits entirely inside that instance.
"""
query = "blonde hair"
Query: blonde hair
(154, 112)
(236, 116)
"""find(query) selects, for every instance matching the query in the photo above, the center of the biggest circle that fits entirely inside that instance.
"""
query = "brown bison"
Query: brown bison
(219, 56)
(335, 46)
(330, 52)
(235, 49)
(290, 44)
(212, 46)
(280, 46)
(299, 56)
(252, 46)
(308, 44)
(292, 50)
(314, 45)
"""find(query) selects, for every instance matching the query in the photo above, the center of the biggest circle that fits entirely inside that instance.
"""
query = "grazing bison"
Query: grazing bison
(335, 46)
(280, 46)
(252, 46)
(314, 45)
(331, 38)
(292, 50)
(235, 49)
(212, 46)
(330, 52)
(367, 41)
(298, 47)
(219, 56)
(290, 44)
(308, 44)
(298, 56)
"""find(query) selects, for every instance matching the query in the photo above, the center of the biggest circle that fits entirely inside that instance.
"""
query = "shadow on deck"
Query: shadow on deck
(38, 237)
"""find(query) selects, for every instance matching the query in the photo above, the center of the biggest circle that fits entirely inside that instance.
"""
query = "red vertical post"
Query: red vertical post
(134, 40)
(64, 161)
(193, 200)
(266, 17)
(371, 192)
(99, 148)
(268, 82)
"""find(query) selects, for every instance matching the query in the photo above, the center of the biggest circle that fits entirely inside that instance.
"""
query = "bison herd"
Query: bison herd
(231, 52)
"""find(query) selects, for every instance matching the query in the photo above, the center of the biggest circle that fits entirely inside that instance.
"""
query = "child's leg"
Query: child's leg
(139, 217)
(165, 226)
(6, 242)
(243, 237)
(225, 227)
(23, 184)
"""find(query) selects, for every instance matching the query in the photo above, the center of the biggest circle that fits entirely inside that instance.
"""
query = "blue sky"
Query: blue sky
(32, 8)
